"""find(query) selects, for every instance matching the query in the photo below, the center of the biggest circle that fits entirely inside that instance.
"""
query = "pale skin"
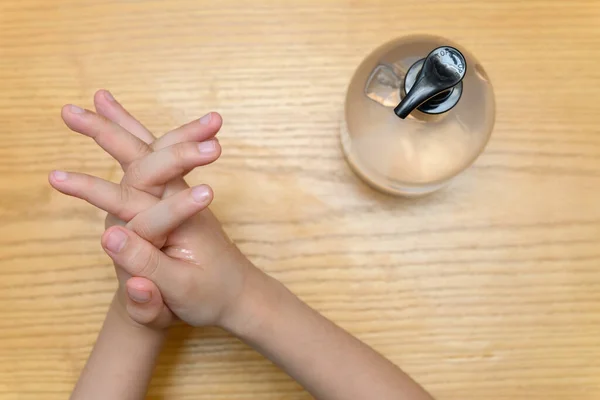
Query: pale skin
(173, 260)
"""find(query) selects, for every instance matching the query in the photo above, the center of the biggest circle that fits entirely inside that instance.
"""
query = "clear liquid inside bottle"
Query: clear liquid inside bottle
(421, 153)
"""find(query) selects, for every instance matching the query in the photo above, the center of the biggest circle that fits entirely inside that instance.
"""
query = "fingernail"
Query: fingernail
(77, 110)
(59, 176)
(206, 119)
(139, 296)
(108, 96)
(207, 147)
(201, 193)
(116, 240)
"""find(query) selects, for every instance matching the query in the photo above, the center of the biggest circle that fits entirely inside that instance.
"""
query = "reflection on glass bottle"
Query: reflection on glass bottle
(448, 119)
(383, 86)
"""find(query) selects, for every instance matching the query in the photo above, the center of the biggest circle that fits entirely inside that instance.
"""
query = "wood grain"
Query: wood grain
(489, 289)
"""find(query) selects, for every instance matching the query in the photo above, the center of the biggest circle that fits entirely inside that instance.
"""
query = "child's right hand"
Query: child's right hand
(200, 294)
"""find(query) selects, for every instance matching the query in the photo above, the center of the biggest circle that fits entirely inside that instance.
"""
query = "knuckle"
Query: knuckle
(141, 315)
(124, 194)
(187, 152)
(180, 153)
(122, 209)
(143, 229)
(155, 314)
(136, 314)
(142, 149)
(174, 209)
(146, 262)
(134, 173)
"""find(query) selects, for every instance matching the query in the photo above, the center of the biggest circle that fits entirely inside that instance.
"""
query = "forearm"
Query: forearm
(121, 364)
(329, 362)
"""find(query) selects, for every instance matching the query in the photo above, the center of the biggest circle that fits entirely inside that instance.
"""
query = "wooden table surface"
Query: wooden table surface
(489, 289)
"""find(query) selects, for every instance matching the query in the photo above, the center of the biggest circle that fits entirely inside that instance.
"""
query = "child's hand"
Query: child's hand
(151, 172)
(198, 293)
(144, 302)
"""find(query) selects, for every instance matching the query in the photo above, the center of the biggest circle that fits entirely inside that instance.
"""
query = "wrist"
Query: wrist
(256, 304)
(122, 360)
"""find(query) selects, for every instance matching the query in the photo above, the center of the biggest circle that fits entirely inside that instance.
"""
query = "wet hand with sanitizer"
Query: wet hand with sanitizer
(419, 110)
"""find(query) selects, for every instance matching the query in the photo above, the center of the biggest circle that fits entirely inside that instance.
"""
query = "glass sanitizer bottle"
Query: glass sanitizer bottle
(419, 110)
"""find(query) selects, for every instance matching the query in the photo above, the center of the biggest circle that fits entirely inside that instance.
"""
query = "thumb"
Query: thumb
(141, 259)
(145, 304)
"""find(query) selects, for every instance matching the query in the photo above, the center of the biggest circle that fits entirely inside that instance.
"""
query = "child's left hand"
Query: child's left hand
(152, 171)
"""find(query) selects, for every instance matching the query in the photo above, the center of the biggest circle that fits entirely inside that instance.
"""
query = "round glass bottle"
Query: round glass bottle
(419, 110)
